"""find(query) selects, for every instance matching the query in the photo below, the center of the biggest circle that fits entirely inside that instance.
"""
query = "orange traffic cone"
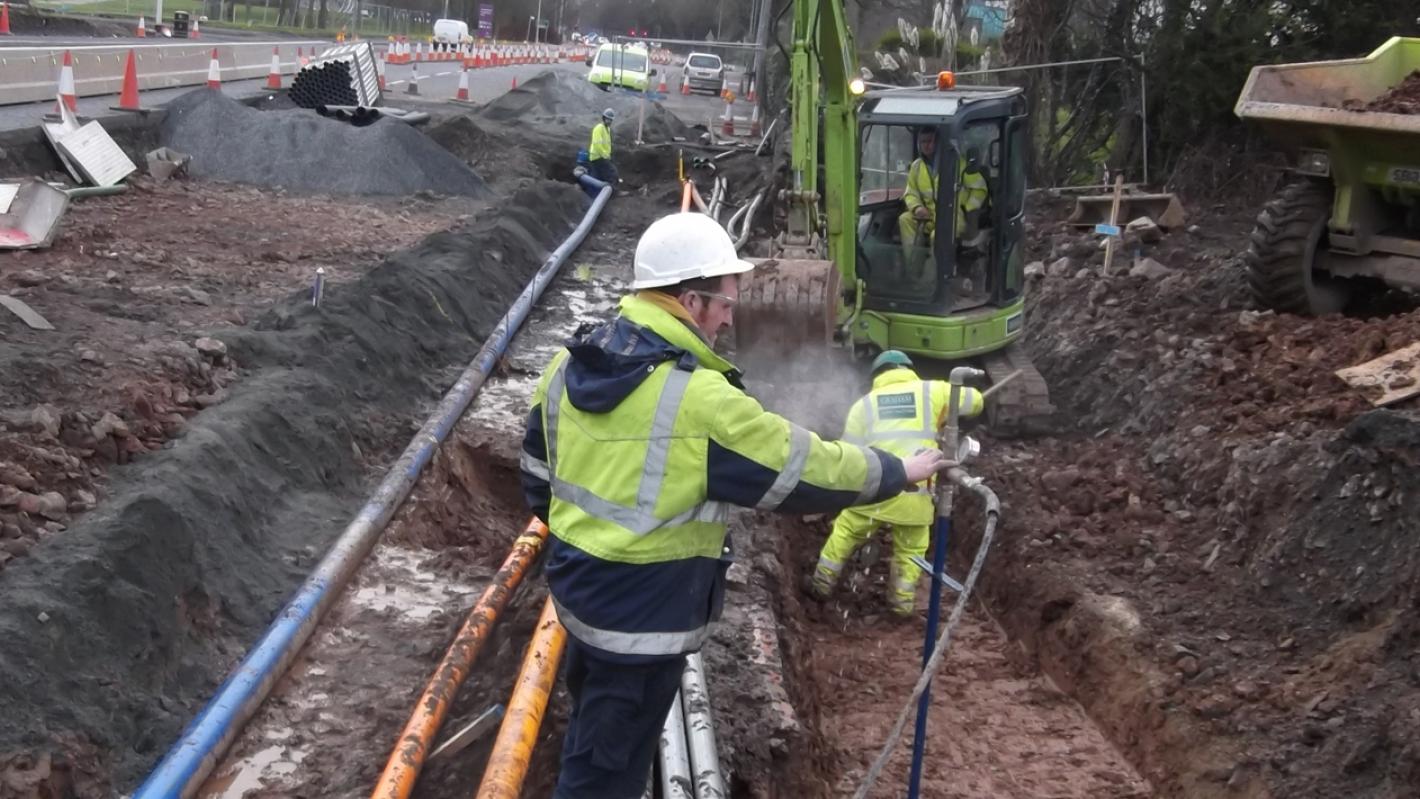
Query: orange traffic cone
(66, 84)
(4, 19)
(273, 78)
(196, 30)
(463, 86)
(214, 73)
(728, 126)
(515, 83)
(413, 87)
(750, 95)
(128, 98)
(380, 72)
(685, 83)
(302, 57)
(754, 130)
(142, 31)
(661, 88)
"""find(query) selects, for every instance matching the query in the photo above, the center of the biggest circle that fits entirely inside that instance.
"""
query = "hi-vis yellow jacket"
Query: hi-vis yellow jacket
(902, 415)
(638, 442)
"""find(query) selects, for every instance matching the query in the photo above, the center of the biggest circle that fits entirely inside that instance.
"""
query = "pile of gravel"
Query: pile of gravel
(565, 99)
(300, 151)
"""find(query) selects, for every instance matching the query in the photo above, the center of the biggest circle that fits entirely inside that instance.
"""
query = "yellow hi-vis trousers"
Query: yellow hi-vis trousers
(851, 530)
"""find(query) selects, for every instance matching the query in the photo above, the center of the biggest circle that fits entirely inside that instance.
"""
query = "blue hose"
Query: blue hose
(207, 737)
(943, 530)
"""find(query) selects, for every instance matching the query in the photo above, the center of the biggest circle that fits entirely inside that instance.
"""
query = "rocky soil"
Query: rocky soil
(1218, 557)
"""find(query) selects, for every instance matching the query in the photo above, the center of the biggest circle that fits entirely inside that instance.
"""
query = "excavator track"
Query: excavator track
(1021, 408)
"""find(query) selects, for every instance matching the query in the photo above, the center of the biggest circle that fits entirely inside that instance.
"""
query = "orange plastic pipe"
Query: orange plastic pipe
(417, 739)
(512, 750)
(685, 196)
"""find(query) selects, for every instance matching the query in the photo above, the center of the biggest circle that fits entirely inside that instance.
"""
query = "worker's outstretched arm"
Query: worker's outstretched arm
(762, 460)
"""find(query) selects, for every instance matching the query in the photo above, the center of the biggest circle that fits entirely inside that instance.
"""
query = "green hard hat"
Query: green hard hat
(891, 358)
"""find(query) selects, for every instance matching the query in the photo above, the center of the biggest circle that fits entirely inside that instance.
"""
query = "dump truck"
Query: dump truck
(1350, 221)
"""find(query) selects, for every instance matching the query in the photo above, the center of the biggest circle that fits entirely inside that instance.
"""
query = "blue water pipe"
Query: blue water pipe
(184, 768)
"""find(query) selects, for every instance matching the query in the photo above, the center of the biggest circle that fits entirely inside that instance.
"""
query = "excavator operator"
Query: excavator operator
(918, 223)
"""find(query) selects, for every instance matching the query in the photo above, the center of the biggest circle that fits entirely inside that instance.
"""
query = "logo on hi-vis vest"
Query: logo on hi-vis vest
(897, 406)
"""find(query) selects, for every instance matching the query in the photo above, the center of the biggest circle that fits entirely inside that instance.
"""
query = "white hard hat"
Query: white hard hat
(683, 247)
(610, 113)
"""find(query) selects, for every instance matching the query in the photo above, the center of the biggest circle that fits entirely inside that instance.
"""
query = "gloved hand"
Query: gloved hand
(921, 213)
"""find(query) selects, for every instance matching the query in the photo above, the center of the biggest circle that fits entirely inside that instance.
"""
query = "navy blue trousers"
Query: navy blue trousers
(615, 723)
(604, 170)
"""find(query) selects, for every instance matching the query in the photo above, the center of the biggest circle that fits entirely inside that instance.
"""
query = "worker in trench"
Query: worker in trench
(639, 440)
(901, 414)
(599, 163)
(918, 224)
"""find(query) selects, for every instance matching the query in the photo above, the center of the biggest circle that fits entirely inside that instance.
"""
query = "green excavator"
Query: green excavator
(841, 273)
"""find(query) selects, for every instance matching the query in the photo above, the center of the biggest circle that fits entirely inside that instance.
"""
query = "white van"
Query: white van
(451, 31)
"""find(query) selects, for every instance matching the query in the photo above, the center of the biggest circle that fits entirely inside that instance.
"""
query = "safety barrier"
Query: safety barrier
(30, 74)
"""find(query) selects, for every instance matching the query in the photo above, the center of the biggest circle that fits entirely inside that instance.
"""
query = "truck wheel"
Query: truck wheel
(1281, 258)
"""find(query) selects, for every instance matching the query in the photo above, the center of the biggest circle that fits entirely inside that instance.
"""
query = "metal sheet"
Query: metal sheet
(7, 196)
(27, 314)
(97, 155)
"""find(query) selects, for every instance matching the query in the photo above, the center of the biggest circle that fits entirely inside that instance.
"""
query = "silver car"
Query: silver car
(706, 72)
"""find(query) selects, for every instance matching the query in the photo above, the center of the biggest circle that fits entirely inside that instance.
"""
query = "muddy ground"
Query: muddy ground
(197, 543)
(1218, 557)
(132, 285)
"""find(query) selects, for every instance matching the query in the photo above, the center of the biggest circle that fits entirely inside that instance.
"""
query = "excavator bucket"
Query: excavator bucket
(786, 311)
(1164, 209)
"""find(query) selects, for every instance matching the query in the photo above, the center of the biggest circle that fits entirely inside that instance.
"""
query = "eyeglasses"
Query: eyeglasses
(731, 302)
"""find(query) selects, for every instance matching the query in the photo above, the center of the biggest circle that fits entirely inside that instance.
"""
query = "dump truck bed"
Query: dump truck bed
(1305, 105)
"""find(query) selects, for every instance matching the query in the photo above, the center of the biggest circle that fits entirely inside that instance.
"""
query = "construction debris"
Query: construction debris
(1388, 379)
(31, 215)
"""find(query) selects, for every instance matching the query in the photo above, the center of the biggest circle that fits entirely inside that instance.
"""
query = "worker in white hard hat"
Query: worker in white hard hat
(639, 440)
(901, 414)
(599, 164)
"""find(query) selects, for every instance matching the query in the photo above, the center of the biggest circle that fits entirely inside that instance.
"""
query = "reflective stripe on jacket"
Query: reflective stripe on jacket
(601, 143)
(638, 442)
(902, 415)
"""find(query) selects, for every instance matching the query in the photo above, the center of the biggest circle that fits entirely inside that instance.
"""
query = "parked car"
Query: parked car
(628, 66)
(706, 72)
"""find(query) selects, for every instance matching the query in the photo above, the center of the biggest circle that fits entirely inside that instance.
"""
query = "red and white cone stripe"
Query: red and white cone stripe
(463, 85)
(214, 72)
(273, 78)
(67, 94)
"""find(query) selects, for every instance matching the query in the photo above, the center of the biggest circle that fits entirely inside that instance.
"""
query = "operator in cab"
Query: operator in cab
(918, 223)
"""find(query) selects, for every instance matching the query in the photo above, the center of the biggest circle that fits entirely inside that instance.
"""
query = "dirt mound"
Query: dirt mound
(564, 99)
(1403, 98)
(33, 22)
(180, 570)
(1224, 550)
(301, 151)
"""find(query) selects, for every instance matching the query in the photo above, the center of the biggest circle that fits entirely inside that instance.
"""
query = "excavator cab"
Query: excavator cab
(941, 193)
